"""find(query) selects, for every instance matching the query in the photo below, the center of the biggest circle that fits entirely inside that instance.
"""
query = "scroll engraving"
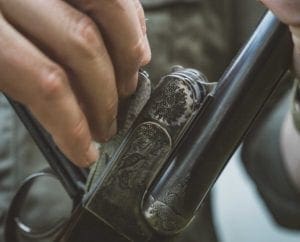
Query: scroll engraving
(163, 213)
(123, 188)
(118, 196)
(175, 96)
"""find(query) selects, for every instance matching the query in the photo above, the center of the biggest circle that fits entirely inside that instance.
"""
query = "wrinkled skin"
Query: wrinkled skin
(69, 62)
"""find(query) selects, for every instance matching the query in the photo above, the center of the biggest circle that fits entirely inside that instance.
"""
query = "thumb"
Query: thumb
(286, 10)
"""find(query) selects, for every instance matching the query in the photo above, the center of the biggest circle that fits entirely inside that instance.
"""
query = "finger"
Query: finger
(142, 21)
(127, 44)
(75, 41)
(31, 78)
(141, 15)
(286, 10)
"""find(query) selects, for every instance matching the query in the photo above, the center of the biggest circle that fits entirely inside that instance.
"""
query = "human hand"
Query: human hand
(69, 61)
(288, 11)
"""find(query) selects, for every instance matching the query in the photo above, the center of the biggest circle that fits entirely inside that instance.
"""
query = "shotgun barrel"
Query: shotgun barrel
(197, 161)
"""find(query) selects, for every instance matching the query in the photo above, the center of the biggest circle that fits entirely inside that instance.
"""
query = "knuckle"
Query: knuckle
(86, 37)
(138, 51)
(53, 83)
(146, 58)
(137, 54)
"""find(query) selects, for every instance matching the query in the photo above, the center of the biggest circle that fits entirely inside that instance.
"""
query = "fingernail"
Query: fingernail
(92, 154)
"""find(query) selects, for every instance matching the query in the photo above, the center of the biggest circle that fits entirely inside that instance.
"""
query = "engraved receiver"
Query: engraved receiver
(115, 201)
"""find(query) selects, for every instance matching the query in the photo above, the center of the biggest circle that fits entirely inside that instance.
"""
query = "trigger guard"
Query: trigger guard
(13, 222)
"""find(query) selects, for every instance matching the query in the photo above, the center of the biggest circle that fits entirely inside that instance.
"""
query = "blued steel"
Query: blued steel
(116, 199)
(72, 177)
(15, 226)
(85, 226)
(199, 159)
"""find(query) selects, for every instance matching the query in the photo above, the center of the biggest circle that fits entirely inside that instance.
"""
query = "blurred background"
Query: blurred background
(240, 214)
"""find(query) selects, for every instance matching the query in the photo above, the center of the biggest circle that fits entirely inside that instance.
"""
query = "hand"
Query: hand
(288, 11)
(69, 61)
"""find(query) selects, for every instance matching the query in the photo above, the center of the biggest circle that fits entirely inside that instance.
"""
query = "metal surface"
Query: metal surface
(72, 177)
(14, 224)
(116, 199)
(197, 162)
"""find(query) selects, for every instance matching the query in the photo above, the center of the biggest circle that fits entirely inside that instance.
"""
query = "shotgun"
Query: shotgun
(153, 184)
